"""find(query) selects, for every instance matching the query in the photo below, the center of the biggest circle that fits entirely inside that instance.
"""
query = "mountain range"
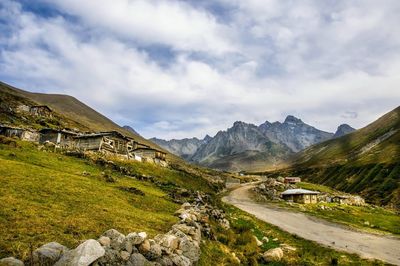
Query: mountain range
(249, 147)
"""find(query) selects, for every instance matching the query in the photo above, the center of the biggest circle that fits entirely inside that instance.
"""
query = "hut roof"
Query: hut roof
(100, 134)
(46, 130)
(298, 191)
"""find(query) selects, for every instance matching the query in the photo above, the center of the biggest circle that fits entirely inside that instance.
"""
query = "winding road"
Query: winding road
(366, 245)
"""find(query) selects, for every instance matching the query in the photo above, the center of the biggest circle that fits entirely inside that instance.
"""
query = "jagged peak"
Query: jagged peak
(292, 119)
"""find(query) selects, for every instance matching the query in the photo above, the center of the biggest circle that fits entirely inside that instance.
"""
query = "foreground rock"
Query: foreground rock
(180, 246)
(11, 261)
(83, 255)
(48, 254)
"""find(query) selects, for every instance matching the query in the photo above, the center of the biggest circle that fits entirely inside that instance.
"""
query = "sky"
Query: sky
(176, 69)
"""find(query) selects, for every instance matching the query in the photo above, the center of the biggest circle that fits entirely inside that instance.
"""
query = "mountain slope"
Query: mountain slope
(366, 161)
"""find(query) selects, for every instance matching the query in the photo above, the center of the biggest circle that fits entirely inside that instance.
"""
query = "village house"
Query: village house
(111, 142)
(149, 154)
(63, 138)
(23, 134)
(292, 180)
(41, 110)
(300, 195)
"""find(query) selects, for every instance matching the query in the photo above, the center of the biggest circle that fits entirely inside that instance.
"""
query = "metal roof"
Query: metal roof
(298, 191)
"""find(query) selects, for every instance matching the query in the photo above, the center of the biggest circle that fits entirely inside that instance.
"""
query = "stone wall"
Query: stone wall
(180, 246)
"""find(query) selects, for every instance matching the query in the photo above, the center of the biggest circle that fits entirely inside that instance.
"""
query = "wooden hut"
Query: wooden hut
(300, 195)
(112, 142)
(21, 133)
(63, 138)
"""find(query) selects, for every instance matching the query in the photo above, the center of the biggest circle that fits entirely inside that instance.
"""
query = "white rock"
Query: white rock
(83, 255)
(105, 241)
(275, 254)
(265, 239)
(259, 243)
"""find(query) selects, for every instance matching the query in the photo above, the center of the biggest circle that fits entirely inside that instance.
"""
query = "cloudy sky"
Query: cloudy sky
(174, 69)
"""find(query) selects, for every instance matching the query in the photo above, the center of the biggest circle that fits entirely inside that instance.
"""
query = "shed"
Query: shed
(150, 153)
(300, 195)
(292, 180)
(41, 110)
(63, 138)
(112, 141)
(21, 133)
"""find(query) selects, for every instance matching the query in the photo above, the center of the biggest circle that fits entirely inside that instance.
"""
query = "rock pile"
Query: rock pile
(271, 189)
(180, 246)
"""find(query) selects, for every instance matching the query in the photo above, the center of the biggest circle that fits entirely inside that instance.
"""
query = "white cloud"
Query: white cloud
(269, 59)
(171, 23)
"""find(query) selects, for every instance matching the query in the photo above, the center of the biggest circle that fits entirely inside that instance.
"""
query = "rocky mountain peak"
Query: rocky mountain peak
(290, 119)
(342, 130)
(207, 138)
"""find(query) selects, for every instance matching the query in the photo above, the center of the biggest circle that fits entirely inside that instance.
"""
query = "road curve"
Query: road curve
(326, 233)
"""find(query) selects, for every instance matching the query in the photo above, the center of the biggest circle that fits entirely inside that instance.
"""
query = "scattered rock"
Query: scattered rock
(259, 243)
(265, 239)
(48, 254)
(275, 254)
(287, 247)
(11, 261)
(83, 255)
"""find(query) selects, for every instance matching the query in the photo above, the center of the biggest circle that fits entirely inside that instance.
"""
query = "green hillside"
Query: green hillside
(366, 161)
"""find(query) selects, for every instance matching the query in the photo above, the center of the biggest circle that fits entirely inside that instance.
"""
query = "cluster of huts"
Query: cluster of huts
(111, 142)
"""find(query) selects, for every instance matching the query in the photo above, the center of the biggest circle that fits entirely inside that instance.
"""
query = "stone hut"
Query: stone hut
(41, 110)
(300, 195)
(150, 154)
(23, 134)
(348, 200)
(63, 138)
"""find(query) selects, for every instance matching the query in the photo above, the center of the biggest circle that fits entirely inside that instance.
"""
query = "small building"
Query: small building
(348, 200)
(150, 154)
(300, 195)
(63, 138)
(292, 180)
(112, 142)
(41, 110)
(23, 134)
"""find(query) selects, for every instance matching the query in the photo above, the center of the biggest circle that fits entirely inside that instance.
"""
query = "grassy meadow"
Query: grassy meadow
(48, 196)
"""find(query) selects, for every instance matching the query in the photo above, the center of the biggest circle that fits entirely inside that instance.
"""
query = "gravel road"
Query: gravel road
(384, 248)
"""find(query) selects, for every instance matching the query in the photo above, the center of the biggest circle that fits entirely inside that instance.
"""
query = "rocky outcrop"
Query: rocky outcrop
(342, 130)
(180, 246)
(275, 254)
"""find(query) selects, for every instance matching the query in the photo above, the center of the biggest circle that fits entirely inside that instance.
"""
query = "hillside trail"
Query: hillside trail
(329, 234)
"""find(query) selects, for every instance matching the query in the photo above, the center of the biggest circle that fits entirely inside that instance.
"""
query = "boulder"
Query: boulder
(275, 254)
(186, 206)
(11, 261)
(136, 238)
(105, 241)
(48, 254)
(180, 260)
(154, 252)
(144, 247)
(137, 259)
(190, 249)
(265, 239)
(83, 255)
(116, 238)
(110, 257)
(167, 241)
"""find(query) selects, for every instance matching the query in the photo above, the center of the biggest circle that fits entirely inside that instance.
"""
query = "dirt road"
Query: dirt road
(326, 233)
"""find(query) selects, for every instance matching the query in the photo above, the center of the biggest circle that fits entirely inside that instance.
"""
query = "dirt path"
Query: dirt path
(326, 233)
